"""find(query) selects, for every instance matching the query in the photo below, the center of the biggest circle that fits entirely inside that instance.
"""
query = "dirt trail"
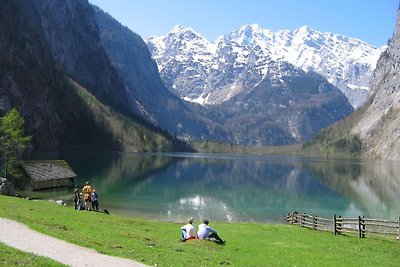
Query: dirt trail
(26, 239)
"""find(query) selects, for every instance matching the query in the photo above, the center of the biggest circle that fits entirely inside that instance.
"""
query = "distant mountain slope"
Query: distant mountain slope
(373, 130)
(288, 106)
(378, 126)
(83, 81)
(211, 72)
(49, 49)
(73, 37)
(131, 57)
(32, 81)
(258, 97)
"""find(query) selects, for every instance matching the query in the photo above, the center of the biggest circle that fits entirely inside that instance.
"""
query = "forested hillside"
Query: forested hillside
(50, 49)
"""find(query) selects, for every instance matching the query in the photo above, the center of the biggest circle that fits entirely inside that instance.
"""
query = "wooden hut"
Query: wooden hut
(45, 174)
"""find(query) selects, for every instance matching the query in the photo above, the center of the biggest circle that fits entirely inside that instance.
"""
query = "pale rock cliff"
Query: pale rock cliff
(379, 127)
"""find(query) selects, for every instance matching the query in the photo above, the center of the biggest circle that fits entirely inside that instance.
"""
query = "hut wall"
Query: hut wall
(51, 184)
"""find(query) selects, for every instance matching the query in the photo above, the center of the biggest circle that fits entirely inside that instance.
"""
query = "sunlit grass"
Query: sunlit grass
(14, 257)
(154, 242)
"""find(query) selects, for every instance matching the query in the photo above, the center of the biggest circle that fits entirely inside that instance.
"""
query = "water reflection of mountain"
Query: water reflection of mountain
(113, 171)
(224, 189)
(373, 187)
(174, 186)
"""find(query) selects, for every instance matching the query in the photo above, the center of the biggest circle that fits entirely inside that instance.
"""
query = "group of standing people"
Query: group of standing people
(206, 232)
(90, 198)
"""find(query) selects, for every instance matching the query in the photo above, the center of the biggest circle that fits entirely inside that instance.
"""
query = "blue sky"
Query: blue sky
(369, 20)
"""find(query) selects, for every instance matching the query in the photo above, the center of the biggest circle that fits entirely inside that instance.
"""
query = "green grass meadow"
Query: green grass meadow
(14, 257)
(157, 243)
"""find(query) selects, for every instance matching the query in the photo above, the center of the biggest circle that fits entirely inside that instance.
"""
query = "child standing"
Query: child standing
(95, 200)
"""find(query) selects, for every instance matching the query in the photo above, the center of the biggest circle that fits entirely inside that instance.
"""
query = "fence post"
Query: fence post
(359, 227)
(315, 222)
(334, 224)
(302, 220)
(339, 226)
(363, 227)
(398, 229)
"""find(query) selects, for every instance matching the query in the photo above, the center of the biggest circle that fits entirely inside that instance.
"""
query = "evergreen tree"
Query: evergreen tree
(13, 141)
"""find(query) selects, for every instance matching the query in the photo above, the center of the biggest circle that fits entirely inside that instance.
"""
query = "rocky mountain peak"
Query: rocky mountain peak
(248, 85)
(305, 32)
(248, 35)
(183, 33)
(348, 63)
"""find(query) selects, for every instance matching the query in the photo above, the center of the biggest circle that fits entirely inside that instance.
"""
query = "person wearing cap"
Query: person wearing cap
(207, 232)
(87, 191)
(95, 200)
(188, 231)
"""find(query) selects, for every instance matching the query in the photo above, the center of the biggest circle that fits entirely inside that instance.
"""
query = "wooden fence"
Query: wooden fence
(360, 226)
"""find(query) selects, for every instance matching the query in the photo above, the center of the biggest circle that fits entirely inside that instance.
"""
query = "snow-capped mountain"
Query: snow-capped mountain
(212, 72)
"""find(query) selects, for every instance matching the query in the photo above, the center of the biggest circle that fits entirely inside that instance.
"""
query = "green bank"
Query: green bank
(14, 257)
(157, 243)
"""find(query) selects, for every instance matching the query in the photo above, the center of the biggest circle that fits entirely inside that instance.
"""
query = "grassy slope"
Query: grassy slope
(14, 257)
(248, 244)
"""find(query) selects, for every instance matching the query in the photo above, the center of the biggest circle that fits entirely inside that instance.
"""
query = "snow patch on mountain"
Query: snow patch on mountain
(212, 72)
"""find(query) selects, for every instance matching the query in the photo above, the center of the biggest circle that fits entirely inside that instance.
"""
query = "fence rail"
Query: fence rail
(338, 225)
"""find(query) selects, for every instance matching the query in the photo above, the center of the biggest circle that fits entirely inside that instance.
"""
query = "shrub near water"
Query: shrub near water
(153, 242)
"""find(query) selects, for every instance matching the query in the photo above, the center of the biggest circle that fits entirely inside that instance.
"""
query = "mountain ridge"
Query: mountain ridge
(99, 87)
(304, 48)
(288, 106)
(55, 72)
(130, 56)
(373, 130)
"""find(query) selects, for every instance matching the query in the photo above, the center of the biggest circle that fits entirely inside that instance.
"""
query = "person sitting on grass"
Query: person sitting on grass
(207, 232)
(80, 204)
(187, 231)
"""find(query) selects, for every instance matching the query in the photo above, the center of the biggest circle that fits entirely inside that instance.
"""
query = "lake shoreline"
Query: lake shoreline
(244, 188)
(157, 243)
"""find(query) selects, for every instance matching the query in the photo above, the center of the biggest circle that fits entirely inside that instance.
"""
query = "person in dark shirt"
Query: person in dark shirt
(208, 233)
(95, 200)
(76, 196)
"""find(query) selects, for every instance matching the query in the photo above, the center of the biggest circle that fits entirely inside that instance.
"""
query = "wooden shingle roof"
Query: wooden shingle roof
(45, 170)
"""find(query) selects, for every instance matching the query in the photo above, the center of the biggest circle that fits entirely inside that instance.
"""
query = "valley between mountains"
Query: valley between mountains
(82, 80)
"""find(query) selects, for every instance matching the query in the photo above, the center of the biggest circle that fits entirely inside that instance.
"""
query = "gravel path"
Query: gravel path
(26, 239)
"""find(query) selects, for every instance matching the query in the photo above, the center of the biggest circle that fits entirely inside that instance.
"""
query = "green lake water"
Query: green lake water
(174, 186)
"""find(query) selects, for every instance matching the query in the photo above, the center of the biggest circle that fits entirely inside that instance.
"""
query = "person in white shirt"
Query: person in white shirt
(188, 231)
(207, 232)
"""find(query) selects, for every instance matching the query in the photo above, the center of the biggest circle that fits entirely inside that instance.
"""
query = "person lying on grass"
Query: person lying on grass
(207, 232)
